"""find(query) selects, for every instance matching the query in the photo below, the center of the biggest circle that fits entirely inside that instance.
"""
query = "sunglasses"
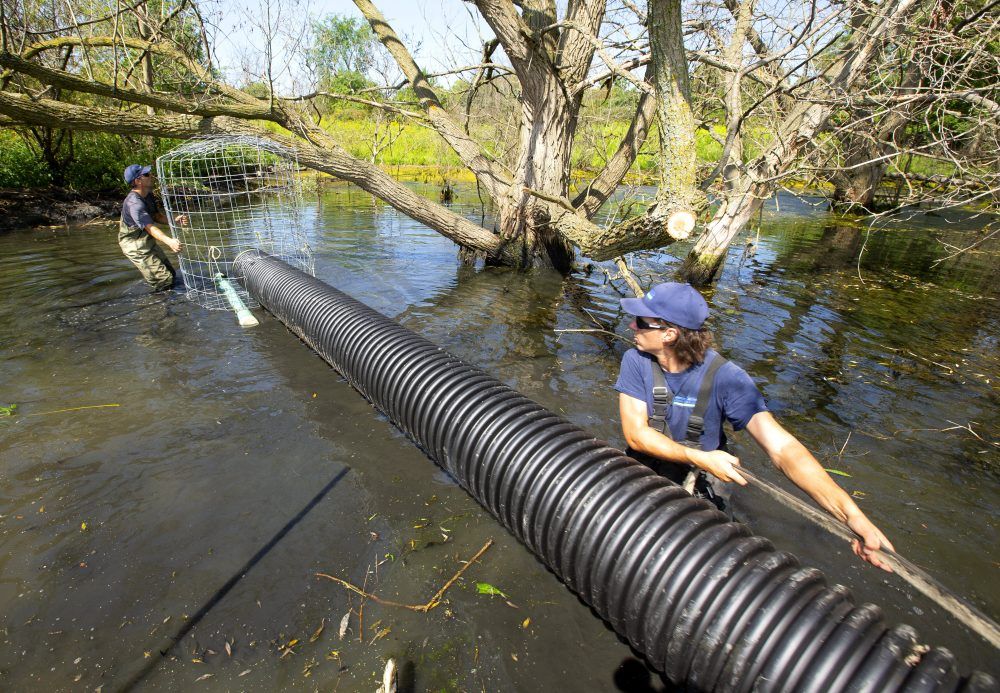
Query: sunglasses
(146, 175)
(642, 324)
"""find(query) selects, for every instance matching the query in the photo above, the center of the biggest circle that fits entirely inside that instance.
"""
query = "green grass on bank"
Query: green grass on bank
(410, 145)
(414, 145)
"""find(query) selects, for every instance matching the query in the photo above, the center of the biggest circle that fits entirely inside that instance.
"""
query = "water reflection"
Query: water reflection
(223, 435)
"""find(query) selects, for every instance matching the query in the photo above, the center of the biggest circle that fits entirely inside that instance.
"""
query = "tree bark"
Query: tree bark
(145, 33)
(678, 193)
(548, 126)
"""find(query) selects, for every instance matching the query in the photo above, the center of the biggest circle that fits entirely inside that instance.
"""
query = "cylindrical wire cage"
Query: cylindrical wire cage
(238, 192)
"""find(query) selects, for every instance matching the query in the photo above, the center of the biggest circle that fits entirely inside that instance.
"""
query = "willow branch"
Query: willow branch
(67, 80)
(472, 154)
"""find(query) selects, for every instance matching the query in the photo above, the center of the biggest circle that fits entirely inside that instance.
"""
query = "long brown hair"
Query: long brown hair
(691, 345)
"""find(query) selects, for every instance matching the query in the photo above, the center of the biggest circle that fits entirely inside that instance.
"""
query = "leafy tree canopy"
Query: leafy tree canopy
(342, 45)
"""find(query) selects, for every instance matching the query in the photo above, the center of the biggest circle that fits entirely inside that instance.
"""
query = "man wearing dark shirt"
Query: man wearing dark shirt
(670, 336)
(138, 232)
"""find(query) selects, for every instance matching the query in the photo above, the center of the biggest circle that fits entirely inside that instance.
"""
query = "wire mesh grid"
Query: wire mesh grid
(238, 192)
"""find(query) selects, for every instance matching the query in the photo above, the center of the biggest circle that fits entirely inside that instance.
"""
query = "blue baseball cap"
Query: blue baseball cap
(134, 171)
(676, 303)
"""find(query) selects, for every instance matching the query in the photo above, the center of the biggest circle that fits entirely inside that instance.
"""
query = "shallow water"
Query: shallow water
(239, 452)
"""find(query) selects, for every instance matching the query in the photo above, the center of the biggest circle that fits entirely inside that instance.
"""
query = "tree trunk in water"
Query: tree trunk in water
(548, 125)
(705, 259)
(866, 150)
(855, 188)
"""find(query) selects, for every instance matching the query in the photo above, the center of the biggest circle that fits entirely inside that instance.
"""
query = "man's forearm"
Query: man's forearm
(156, 233)
(652, 442)
(799, 465)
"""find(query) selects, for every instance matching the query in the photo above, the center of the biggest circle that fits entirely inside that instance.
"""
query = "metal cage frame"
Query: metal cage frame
(238, 192)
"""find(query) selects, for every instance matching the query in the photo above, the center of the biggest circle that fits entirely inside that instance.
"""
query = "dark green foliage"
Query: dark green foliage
(347, 82)
(19, 165)
(101, 158)
(97, 161)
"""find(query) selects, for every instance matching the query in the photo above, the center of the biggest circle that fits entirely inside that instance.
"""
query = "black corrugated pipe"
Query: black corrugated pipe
(707, 603)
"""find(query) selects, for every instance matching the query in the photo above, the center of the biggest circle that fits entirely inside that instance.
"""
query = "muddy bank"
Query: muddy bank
(55, 207)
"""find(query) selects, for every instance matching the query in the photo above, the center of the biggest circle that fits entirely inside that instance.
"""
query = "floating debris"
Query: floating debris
(388, 678)
(424, 608)
(344, 623)
(381, 634)
(487, 588)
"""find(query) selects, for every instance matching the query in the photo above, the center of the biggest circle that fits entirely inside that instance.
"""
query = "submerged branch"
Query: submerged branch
(422, 608)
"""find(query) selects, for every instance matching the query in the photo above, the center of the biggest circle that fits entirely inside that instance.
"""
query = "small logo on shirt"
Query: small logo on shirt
(688, 402)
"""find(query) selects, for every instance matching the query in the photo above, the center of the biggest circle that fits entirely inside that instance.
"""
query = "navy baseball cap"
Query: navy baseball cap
(134, 171)
(676, 303)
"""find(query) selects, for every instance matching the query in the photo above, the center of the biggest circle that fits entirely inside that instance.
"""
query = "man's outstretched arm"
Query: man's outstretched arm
(798, 464)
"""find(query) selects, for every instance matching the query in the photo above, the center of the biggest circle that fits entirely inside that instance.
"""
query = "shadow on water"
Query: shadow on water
(130, 680)
(222, 435)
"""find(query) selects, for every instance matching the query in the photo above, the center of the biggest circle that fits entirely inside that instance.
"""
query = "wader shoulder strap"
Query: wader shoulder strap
(662, 399)
(696, 422)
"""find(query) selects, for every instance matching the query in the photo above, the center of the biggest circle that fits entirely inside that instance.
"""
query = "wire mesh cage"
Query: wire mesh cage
(238, 192)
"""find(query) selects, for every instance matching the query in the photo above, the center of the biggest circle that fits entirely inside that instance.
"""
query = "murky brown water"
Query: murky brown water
(239, 452)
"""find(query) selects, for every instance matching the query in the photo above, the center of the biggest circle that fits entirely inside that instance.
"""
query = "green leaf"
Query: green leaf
(487, 588)
(837, 472)
(8, 410)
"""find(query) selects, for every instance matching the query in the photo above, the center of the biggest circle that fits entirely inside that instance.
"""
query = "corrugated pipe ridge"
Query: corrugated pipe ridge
(707, 603)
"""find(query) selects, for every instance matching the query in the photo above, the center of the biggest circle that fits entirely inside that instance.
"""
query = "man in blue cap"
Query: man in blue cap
(138, 232)
(675, 393)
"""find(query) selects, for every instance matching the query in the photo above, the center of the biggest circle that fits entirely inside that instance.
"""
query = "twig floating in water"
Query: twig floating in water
(423, 608)
(598, 331)
(60, 411)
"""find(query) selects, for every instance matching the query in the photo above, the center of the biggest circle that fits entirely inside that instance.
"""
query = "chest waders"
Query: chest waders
(148, 257)
(695, 482)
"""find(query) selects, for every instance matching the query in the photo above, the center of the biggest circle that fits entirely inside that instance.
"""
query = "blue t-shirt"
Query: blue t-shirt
(734, 396)
(138, 211)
